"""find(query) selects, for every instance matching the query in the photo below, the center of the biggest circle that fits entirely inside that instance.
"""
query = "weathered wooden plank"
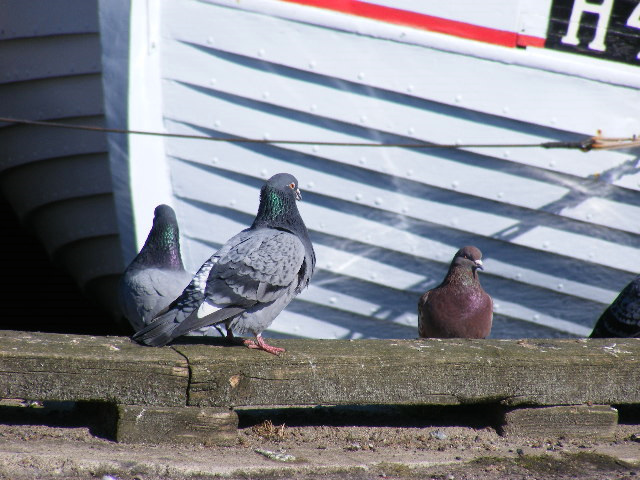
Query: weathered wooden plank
(46, 366)
(176, 425)
(561, 421)
(512, 372)
(457, 371)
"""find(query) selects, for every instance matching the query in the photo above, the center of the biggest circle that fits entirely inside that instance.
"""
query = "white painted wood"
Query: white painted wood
(37, 58)
(486, 13)
(148, 172)
(42, 18)
(533, 17)
(547, 60)
(55, 97)
(426, 122)
(115, 54)
(52, 143)
(362, 268)
(58, 180)
(238, 197)
(425, 167)
(632, 180)
(557, 227)
(518, 311)
(602, 211)
(28, 193)
(225, 156)
(411, 165)
(581, 247)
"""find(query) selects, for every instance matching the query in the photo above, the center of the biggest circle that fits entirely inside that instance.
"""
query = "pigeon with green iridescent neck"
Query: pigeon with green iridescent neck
(156, 276)
(621, 319)
(458, 307)
(251, 279)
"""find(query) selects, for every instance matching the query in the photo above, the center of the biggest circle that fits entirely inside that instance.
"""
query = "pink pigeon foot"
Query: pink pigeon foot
(262, 345)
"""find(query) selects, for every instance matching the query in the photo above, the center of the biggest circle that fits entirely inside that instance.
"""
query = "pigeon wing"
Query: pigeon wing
(259, 269)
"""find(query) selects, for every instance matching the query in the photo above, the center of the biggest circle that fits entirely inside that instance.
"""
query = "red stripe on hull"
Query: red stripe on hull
(426, 22)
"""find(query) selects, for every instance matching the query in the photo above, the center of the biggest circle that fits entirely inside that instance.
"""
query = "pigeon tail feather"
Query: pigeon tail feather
(192, 322)
(159, 332)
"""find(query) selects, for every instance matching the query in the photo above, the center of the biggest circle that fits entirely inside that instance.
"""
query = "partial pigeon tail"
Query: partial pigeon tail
(159, 332)
(611, 326)
(164, 329)
(621, 319)
(193, 322)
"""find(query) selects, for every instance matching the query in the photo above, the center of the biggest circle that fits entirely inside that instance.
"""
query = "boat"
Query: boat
(415, 128)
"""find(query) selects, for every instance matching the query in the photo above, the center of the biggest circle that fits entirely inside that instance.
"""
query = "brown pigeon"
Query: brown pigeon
(458, 307)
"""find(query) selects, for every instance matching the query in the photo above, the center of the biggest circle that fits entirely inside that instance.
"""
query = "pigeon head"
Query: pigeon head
(162, 248)
(164, 214)
(468, 258)
(284, 183)
(278, 199)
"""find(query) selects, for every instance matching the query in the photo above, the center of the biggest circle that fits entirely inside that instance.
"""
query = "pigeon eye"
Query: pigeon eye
(292, 186)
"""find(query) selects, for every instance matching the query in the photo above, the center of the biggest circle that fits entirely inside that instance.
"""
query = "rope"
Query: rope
(585, 145)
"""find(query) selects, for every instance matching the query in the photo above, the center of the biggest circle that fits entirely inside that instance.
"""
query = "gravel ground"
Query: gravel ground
(323, 442)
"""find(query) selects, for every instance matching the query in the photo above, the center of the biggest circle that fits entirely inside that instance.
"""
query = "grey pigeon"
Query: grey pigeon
(458, 307)
(621, 319)
(156, 276)
(251, 279)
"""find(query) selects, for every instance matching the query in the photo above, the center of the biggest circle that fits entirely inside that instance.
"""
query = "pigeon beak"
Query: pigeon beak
(298, 194)
(479, 264)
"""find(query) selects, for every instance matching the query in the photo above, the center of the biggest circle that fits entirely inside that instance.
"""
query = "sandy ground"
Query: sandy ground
(447, 444)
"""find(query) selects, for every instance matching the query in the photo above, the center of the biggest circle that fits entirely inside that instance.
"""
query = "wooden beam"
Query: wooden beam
(444, 372)
(48, 366)
(183, 393)
(177, 425)
(573, 421)
(512, 372)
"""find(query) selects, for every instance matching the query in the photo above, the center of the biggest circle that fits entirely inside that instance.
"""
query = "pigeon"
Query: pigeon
(156, 276)
(458, 307)
(621, 319)
(251, 279)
